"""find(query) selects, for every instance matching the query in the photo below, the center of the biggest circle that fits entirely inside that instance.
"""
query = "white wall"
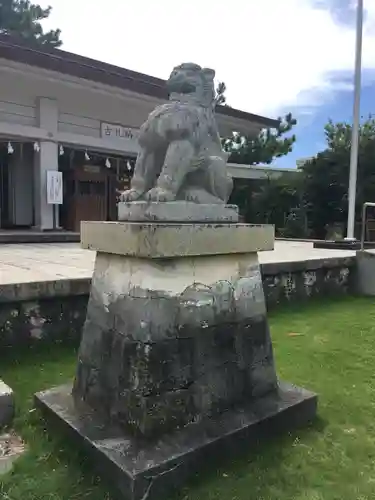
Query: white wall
(16, 112)
(17, 105)
(80, 104)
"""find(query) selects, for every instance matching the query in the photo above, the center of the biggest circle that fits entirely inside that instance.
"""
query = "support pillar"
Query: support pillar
(46, 159)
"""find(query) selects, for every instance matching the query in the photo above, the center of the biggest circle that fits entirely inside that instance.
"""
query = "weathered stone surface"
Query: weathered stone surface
(139, 469)
(165, 335)
(167, 240)
(255, 356)
(58, 319)
(211, 370)
(175, 347)
(180, 153)
(155, 414)
(286, 282)
(218, 389)
(176, 211)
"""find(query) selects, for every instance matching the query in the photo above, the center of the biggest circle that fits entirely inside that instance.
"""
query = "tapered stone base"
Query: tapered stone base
(176, 363)
(167, 342)
(150, 469)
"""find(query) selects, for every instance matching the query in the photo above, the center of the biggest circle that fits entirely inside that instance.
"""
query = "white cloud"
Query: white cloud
(271, 53)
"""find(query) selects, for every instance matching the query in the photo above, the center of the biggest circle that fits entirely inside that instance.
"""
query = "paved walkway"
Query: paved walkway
(51, 261)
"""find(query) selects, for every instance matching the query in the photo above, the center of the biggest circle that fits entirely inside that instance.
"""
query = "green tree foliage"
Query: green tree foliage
(319, 191)
(326, 177)
(251, 197)
(265, 147)
(274, 200)
(270, 143)
(262, 149)
(23, 18)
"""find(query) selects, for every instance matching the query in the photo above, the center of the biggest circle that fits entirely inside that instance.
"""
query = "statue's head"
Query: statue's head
(190, 78)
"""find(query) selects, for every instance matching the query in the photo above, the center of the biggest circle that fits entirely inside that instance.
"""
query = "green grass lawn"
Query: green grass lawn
(326, 348)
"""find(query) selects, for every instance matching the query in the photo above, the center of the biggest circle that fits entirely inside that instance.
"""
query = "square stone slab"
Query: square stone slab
(167, 240)
(176, 211)
(140, 470)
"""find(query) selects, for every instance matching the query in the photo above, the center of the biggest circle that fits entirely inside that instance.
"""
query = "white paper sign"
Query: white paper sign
(54, 187)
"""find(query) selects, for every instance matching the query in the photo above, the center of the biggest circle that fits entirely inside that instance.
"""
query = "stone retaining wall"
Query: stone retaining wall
(55, 310)
(284, 282)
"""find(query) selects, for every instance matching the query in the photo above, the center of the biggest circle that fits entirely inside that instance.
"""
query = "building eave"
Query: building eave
(241, 171)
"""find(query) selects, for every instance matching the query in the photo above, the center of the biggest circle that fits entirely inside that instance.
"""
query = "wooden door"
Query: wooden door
(88, 199)
(91, 200)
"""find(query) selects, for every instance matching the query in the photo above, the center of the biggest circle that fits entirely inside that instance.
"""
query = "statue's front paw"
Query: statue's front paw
(160, 194)
(130, 195)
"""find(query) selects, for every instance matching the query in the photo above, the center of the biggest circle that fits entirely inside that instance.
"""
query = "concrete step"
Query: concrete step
(9, 237)
(365, 282)
(342, 244)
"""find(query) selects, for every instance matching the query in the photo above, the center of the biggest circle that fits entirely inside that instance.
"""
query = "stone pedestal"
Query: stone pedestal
(176, 358)
(178, 335)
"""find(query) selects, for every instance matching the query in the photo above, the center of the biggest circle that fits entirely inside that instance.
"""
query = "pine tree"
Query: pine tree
(265, 147)
(220, 94)
(23, 18)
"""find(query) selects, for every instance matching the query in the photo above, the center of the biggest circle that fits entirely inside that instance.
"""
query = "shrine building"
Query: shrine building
(60, 112)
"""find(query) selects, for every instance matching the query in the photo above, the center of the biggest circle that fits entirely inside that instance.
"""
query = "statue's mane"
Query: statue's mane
(204, 94)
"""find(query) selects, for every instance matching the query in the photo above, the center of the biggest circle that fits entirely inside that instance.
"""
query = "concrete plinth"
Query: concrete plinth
(137, 469)
(365, 275)
(171, 240)
(176, 340)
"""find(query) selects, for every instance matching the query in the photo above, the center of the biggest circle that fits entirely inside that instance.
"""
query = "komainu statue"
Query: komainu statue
(180, 155)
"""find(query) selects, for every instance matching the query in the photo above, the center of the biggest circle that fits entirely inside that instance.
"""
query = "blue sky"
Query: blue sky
(339, 104)
(275, 56)
(339, 107)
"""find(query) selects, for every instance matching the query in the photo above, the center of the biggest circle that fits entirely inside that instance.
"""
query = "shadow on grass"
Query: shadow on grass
(250, 470)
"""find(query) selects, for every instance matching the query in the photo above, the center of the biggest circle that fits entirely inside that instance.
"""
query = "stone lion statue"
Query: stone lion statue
(180, 155)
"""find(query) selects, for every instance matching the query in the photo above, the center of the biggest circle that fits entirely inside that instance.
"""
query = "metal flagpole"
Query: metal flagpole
(355, 128)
